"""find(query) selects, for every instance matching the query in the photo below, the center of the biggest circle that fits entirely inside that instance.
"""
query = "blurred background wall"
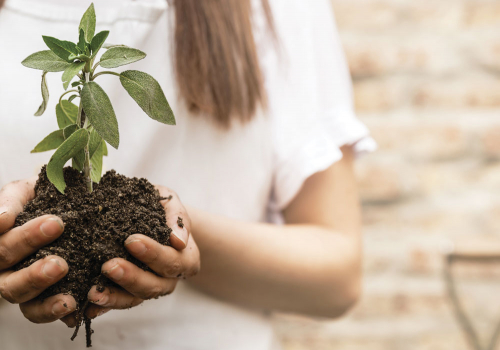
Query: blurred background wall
(427, 82)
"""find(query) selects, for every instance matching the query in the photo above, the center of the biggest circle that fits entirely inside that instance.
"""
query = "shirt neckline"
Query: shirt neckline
(141, 11)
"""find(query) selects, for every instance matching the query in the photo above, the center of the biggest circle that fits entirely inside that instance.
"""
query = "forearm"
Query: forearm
(295, 268)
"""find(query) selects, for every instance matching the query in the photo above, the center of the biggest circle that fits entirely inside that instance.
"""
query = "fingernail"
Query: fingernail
(59, 308)
(51, 227)
(102, 312)
(135, 246)
(52, 268)
(116, 272)
(181, 233)
(3, 210)
(102, 299)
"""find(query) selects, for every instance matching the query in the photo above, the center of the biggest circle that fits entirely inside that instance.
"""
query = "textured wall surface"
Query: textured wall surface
(427, 82)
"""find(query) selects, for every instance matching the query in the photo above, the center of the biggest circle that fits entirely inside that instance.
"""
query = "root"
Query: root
(75, 333)
(88, 331)
(80, 319)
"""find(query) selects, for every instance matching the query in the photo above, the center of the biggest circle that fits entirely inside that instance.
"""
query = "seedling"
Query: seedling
(85, 130)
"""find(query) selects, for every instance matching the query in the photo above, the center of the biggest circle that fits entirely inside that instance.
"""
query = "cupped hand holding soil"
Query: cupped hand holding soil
(116, 251)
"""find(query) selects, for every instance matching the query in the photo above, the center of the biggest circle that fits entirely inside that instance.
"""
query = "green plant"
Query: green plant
(84, 130)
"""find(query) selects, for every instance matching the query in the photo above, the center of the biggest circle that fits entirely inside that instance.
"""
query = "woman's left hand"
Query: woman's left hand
(181, 260)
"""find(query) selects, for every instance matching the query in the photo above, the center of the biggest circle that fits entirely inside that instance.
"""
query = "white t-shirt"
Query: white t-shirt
(250, 172)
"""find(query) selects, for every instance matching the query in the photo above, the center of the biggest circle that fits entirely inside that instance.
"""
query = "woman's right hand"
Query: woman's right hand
(21, 287)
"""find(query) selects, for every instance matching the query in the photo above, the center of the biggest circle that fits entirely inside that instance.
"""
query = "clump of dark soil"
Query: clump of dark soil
(96, 227)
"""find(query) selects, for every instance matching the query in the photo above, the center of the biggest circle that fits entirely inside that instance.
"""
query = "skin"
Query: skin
(182, 260)
(311, 265)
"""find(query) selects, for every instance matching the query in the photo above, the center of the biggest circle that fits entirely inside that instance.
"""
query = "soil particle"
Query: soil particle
(96, 226)
(179, 222)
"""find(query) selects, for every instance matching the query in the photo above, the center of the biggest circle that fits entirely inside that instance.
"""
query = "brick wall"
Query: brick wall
(427, 82)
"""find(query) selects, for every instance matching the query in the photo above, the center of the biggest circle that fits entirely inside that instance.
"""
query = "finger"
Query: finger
(24, 240)
(177, 218)
(164, 260)
(91, 312)
(49, 310)
(113, 298)
(70, 320)
(94, 311)
(23, 285)
(136, 281)
(13, 197)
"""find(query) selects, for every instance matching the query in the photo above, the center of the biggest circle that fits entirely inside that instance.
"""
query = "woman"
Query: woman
(265, 135)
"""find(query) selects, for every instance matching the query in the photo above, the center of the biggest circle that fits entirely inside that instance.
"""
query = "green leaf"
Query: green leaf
(75, 83)
(119, 56)
(81, 41)
(87, 23)
(52, 141)
(109, 46)
(65, 152)
(45, 60)
(104, 148)
(99, 110)
(66, 113)
(69, 130)
(45, 96)
(98, 41)
(78, 160)
(147, 92)
(72, 97)
(70, 73)
(96, 171)
(61, 48)
(96, 161)
(83, 57)
(94, 142)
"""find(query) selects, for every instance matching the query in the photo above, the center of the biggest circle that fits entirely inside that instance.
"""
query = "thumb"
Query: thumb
(13, 197)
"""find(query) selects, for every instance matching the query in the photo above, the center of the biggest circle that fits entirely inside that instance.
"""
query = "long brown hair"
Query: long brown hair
(216, 61)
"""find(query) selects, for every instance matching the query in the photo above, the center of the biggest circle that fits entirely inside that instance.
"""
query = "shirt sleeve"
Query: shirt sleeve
(310, 97)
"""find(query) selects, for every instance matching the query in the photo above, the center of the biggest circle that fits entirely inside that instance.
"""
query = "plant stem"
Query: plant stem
(105, 72)
(95, 67)
(79, 116)
(67, 92)
(87, 166)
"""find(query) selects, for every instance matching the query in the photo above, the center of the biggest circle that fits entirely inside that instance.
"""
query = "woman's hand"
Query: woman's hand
(181, 260)
(22, 286)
